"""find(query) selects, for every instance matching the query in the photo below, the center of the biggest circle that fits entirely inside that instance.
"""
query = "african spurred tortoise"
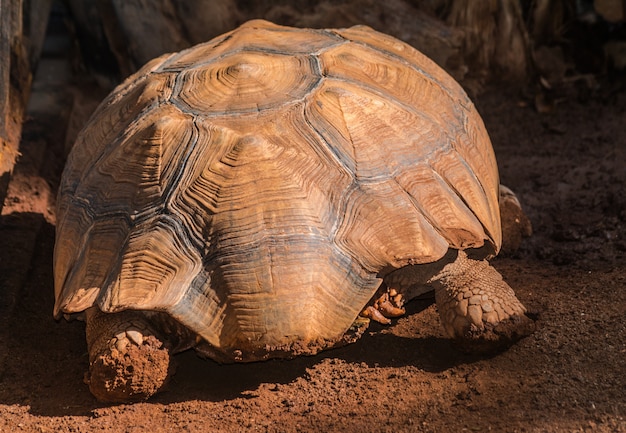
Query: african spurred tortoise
(262, 194)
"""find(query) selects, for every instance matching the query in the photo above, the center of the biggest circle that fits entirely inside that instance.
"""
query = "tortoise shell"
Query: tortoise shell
(259, 186)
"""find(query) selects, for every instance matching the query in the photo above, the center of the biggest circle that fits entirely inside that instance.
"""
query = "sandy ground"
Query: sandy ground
(569, 170)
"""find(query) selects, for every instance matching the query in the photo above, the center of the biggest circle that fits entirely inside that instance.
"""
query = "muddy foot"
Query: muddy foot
(128, 362)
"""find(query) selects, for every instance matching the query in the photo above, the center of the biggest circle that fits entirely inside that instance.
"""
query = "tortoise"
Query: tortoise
(265, 194)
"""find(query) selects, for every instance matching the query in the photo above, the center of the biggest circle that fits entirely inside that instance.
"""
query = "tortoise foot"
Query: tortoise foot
(489, 338)
(128, 360)
(478, 309)
(386, 306)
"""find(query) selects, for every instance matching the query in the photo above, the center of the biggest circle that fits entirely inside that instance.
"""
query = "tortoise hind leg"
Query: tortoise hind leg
(129, 358)
(477, 307)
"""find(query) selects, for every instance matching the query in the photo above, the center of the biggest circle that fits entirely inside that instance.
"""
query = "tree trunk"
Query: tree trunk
(22, 29)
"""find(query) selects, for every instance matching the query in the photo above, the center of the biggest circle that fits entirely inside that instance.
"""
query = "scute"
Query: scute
(406, 84)
(271, 270)
(246, 81)
(257, 36)
(381, 143)
(157, 262)
(257, 186)
(406, 54)
(127, 185)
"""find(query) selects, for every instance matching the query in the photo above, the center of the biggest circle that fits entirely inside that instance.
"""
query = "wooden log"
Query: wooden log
(22, 29)
(496, 42)
(11, 101)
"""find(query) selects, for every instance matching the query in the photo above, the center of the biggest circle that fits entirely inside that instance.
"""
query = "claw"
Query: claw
(387, 308)
(374, 314)
(389, 304)
(121, 342)
(135, 336)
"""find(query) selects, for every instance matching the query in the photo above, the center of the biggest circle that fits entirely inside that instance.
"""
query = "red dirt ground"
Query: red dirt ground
(569, 170)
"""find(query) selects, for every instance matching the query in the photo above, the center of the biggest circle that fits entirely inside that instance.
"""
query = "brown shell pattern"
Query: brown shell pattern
(256, 186)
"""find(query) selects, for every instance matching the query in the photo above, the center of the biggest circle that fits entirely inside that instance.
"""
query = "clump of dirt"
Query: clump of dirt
(132, 374)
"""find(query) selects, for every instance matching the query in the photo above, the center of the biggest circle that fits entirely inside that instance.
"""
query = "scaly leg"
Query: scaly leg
(477, 307)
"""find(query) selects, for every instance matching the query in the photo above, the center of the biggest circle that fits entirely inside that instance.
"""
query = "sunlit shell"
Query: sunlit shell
(257, 186)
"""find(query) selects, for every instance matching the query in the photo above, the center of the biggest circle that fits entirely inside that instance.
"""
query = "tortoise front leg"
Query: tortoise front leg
(477, 307)
(128, 360)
